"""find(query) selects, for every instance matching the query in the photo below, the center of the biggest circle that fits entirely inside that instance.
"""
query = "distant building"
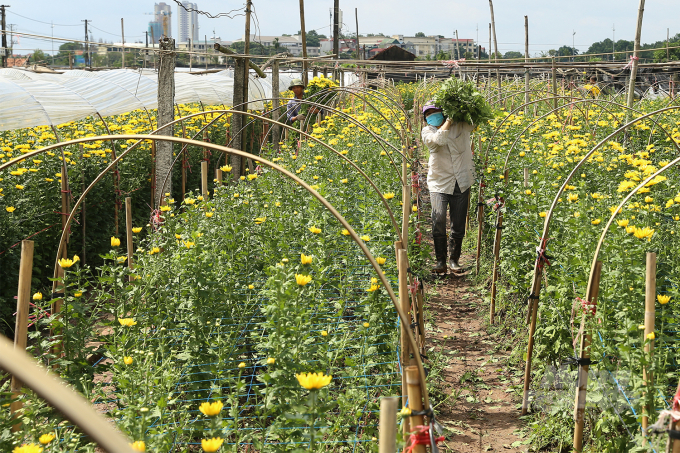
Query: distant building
(290, 44)
(161, 24)
(433, 45)
(187, 23)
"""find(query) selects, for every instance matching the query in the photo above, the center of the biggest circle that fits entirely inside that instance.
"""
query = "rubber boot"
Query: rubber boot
(456, 246)
(440, 253)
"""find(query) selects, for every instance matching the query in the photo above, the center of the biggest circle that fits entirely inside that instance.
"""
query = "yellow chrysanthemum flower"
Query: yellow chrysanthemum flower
(663, 299)
(28, 448)
(211, 409)
(136, 229)
(381, 260)
(315, 230)
(304, 259)
(127, 322)
(313, 381)
(128, 360)
(46, 438)
(302, 280)
(138, 445)
(211, 445)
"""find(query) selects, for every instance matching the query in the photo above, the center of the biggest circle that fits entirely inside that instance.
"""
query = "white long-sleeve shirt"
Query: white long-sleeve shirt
(450, 158)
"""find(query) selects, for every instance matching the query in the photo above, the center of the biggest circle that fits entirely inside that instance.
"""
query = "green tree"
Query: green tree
(512, 54)
(39, 57)
(420, 34)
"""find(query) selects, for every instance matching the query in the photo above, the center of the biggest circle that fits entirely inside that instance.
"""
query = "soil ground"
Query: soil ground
(481, 393)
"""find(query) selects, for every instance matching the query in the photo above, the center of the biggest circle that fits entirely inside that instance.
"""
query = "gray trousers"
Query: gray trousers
(457, 205)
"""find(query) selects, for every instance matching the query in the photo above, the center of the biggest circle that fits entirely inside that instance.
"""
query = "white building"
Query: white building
(187, 23)
(291, 44)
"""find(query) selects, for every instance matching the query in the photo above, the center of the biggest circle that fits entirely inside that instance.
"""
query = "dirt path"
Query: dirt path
(482, 412)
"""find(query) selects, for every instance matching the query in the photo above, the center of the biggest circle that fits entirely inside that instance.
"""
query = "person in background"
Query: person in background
(591, 87)
(297, 86)
(449, 178)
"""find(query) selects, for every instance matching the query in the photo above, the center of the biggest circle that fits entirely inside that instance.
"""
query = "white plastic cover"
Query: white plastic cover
(29, 99)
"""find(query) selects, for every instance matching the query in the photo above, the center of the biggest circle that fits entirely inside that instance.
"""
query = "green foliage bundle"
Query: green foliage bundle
(461, 102)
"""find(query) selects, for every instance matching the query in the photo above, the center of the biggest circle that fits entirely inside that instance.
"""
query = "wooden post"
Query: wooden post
(204, 179)
(406, 200)
(237, 120)
(650, 308)
(421, 318)
(356, 17)
(636, 51)
(584, 353)
(496, 258)
(153, 175)
(554, 82)
(166, 114)
(21, 326)
(303, 37)
(480, 226)
(415, 400)
(533, 312)
(218, 176)
(128, 231)
(388, 425)
(276, 103)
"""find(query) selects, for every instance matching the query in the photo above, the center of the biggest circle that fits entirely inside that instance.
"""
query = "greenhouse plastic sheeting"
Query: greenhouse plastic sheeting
(27, 103)
(29, 99)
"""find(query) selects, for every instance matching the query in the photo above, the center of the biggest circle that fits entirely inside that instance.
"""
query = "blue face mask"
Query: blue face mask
(435, 119)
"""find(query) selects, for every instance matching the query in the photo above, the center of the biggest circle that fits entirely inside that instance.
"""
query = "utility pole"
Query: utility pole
(4, 35)
(87, 46)
(122, 35)
(336, 28)
(303, 36)
(146, 48)
(613, 41)
(356, 16)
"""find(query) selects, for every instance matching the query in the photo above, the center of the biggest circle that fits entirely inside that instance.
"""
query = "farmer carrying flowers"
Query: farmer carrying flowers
(297, 86)
(449, 178)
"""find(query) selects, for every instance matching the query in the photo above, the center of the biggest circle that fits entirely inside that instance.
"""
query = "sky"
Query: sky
(551, 22)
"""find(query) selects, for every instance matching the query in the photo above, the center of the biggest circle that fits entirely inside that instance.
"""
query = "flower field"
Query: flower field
(251, 319)
(232, 300)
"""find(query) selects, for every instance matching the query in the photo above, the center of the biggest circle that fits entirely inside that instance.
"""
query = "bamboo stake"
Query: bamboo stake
(404, 303)
(584, 352)
(204, 179)
(128, 232)
(388, 425)
(496, 259)
(406, 200)
(218, 176)
(153, 173)
(21, 326)
(415, 401)
(533, 313)
(59, 272)
(184, 163)
(650, 308)
(421, 319)
(526, 177)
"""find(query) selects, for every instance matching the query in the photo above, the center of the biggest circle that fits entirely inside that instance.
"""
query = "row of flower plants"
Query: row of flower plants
(250, 319)
(549, 145)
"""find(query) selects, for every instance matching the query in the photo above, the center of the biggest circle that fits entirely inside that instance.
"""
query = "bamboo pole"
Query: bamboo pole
(415, 401)
(388, 425)
(496, 259)
(184, 163)
(405, 356)
(218, 176)
(421, 318)
(526, 177)
(128, 231)
(59, 272)
(533, 313)
(584, 353)
(204, 179)
(21, 326)
(406, 200)
(650, 308)
(636, 51)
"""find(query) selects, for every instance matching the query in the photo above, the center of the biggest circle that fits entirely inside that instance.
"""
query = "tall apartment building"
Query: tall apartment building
(161, 24)
(187, 23)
